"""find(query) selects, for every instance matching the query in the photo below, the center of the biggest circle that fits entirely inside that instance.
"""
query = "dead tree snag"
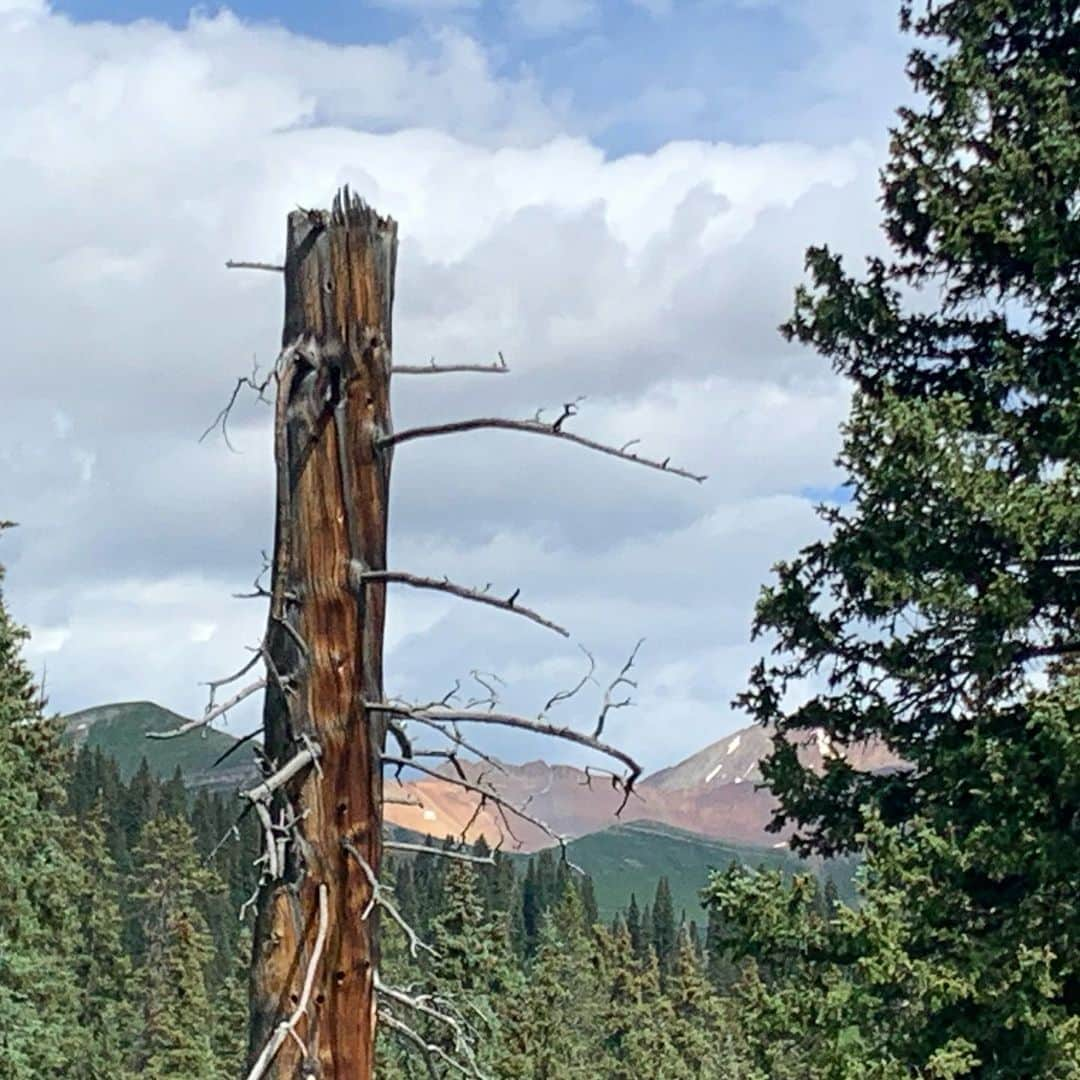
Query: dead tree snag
(324, 644)
(315, 987)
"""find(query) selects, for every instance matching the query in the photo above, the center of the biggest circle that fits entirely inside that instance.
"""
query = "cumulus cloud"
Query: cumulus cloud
(552, 16)
(138, 158)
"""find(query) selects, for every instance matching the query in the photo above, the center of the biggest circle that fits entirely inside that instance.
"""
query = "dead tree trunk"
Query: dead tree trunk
(315, 965)
(313, 974)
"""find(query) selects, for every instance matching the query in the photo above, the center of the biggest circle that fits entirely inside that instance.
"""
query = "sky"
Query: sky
(617, 194)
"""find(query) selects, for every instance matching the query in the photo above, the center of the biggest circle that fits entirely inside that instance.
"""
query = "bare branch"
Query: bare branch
(288, 1027)
(565, 695)
(535, 427)
(619, 680)
(273, 864)
(361, 576)
(442, 853)
(401, 800)
(427, 1050)
(451, 734)
(222, 418)
(216, 684)
(236, 746)
(211, 714)
(241, 264)
(420, 1004)
(523, 723)
(264, 791)
(378, 896)
(441, 369)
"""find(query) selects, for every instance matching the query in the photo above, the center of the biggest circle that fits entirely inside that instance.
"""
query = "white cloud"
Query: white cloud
(425, 7)
(553, 16)
(138, 158)
(656, 8)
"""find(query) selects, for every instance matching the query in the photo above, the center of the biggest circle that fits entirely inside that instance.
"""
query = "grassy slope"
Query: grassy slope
(120, 731)
(633, 857)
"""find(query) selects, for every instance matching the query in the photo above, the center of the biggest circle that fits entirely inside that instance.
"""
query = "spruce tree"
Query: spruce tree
(176, 1038)
(175, 953)
(472, 971)
(663, 925)
(40, 880)
(928, 617)
(108, 1014)
(229, 1035)
(552, 1024)
(702, 1027)
(636, 1020)
(634, 929)
(588, 901)
(531, 909)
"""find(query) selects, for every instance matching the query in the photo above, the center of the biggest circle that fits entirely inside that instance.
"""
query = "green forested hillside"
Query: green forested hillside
(631, 859)
(120, 731)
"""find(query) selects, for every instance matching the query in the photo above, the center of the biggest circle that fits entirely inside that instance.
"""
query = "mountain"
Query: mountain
(120, 731)
(712, 794)
(631, 858)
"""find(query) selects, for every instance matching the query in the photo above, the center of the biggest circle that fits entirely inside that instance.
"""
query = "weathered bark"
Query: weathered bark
(324, 638)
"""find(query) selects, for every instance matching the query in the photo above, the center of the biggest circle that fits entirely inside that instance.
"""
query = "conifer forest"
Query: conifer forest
(357, 885)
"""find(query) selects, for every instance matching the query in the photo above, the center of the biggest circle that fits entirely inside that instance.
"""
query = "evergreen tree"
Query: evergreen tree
(634, 929)
(141, 802)
(472, 969)
(103, 969)
(588, 901)
(636, 1019)
(553, 1023)
(531, 908)
(40, 879)
(831, 897)
(503, 883)
(663, 925)
(928, 617)
(176, 1037)
(719, 966)
(176, 950)
(706, 1039)
(173, 800)
(229, 1035)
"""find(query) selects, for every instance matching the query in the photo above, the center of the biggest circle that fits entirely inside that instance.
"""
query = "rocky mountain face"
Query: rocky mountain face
(713, 793)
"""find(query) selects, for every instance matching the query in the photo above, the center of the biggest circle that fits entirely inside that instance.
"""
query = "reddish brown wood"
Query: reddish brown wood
(324, 638)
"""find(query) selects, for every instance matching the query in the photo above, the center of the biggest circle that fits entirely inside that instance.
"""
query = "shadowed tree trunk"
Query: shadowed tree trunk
(323, 646)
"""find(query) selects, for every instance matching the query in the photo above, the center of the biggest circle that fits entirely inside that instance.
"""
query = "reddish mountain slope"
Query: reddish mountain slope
(712, 793)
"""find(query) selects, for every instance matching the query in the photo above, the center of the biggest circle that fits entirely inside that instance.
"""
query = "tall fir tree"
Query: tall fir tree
(40, 879)
(553, 1023)
(928, 617)
(176, 951)
(229, 1035)
(635, 1018)
(108, 1013)
(634, 928)
(663, 926)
